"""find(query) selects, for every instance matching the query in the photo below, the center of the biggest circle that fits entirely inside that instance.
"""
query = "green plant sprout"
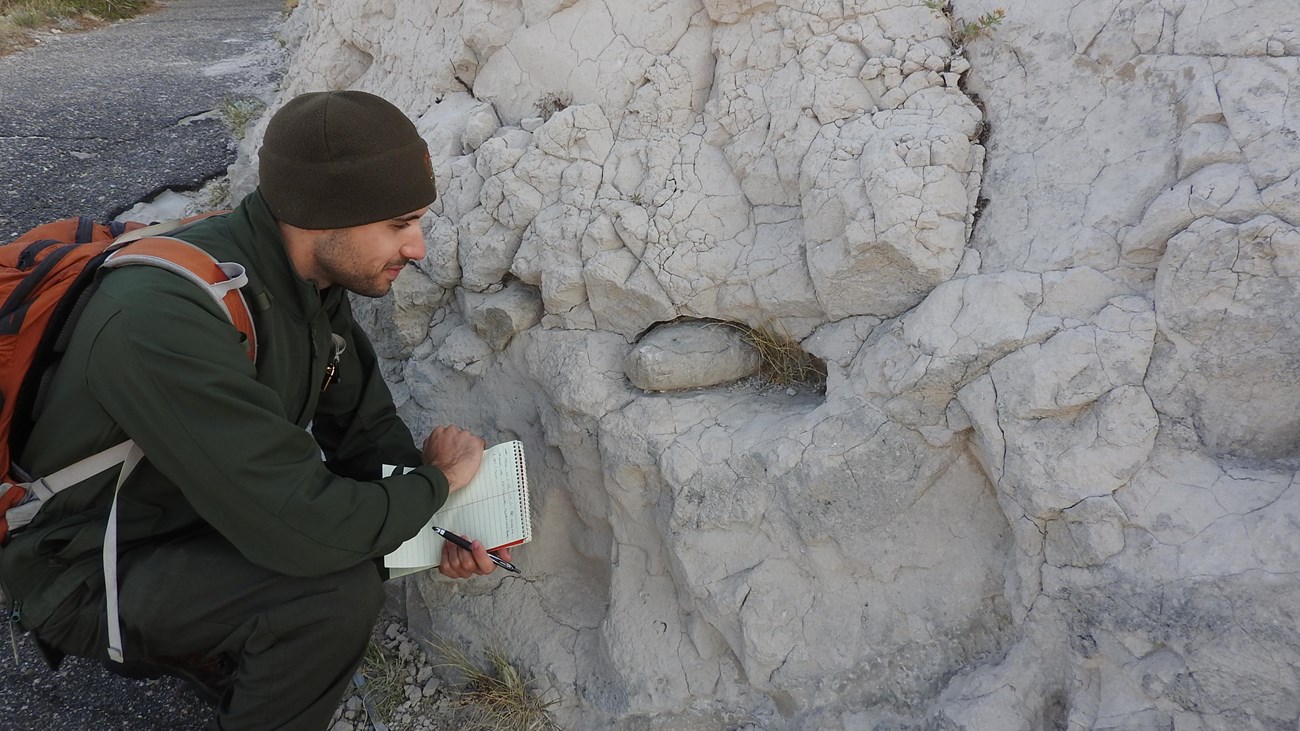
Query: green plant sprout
(981, 26)
(966, 31)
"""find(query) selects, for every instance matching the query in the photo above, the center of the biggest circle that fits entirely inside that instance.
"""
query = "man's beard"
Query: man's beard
(336, 257)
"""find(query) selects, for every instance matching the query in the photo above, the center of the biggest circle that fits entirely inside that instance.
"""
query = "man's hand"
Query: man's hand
(456, 452)
(457, 563)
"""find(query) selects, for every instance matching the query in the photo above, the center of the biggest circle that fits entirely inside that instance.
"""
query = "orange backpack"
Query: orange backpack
(46, 277)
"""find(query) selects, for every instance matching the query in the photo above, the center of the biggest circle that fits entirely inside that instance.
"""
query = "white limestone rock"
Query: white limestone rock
(442, 251)
(881, 242)
(511, 200)
(1204, 144)
(917, 363)
(691, 355)
(480, 126)
(548, 256)
(1060, 422)
(1220, 191)
(871, 538)
(1092, 452)
(487, 249)
(1023, 691)
(465, 351)
(1180, 106)
(576, 133)
(1088, 533)
(1260, 108)
(1226, 297)
(1235, 30)
(625, 296)
(1049, 483)
(446, 124)
(499, 316)
(605, 46)
(1078, 292)
(1077, 366)
(1178, 495)
(459, 185)
(1282, 199)
(402, 319)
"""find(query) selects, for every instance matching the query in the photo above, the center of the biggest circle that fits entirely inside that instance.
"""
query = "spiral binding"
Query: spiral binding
(525, 507)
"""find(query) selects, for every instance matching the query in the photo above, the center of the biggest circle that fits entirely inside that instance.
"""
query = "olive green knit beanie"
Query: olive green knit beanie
(335, 159)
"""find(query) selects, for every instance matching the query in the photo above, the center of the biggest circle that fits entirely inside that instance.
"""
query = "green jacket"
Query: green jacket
(227, 443)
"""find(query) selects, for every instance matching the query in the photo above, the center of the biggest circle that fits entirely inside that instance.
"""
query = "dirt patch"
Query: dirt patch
(27, 23)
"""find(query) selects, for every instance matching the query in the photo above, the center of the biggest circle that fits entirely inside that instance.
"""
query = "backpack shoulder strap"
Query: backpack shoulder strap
(221, 280)
(153, 229)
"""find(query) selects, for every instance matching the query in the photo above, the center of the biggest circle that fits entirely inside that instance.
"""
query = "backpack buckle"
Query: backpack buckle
(24, 510)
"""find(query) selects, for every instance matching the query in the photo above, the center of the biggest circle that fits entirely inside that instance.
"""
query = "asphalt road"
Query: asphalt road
(91, 124)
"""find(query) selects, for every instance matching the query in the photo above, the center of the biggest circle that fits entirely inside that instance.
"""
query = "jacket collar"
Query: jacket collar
(257, 235)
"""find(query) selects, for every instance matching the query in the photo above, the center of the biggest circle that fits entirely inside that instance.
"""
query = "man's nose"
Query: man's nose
(413, 247)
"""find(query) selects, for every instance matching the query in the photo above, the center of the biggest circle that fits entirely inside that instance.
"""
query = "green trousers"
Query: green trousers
(296, 640)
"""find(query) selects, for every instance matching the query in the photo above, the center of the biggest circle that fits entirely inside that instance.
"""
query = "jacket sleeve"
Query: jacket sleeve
(173, 375)
(356, 423)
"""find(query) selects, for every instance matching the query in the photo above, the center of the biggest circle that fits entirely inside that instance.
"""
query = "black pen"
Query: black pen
(466, 545)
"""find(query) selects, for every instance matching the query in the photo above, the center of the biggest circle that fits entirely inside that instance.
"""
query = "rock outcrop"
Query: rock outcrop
(1049, 482)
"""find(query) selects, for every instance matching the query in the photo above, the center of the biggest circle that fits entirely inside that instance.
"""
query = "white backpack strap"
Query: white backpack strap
(150, 230)
(126, 454)
(47, 487)
(133, 457)
(51, 485)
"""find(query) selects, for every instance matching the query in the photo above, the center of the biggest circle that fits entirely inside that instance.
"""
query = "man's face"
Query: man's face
(366, 259)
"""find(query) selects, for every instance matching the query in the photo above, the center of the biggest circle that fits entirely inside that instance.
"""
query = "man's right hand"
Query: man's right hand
(457, 563)
(456, 452)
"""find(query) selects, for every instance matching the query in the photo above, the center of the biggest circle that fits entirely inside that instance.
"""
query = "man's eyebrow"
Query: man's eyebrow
(409, 217)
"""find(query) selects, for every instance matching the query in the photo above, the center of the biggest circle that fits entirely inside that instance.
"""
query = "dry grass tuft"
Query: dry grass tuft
(49, 11)
(216, 195)
(498, 698)
(785, 362)
(385, 675)
(239, 112)
(21, 20)
(12, 37)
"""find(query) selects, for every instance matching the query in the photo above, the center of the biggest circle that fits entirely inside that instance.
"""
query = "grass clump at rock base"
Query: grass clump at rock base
(399, 689)
(20, 20)
(385, 675)
(785, 362)
(496, 698)
(239, 112)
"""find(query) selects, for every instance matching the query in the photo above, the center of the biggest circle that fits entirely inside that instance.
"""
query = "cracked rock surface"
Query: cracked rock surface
(1049, 483)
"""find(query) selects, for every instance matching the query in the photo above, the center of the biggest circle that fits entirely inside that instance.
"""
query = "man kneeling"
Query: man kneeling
(246, 562)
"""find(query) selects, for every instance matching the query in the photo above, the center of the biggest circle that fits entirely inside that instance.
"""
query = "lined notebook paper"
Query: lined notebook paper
(492, 508)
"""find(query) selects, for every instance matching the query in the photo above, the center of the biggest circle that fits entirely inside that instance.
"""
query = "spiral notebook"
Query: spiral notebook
(492, 508)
